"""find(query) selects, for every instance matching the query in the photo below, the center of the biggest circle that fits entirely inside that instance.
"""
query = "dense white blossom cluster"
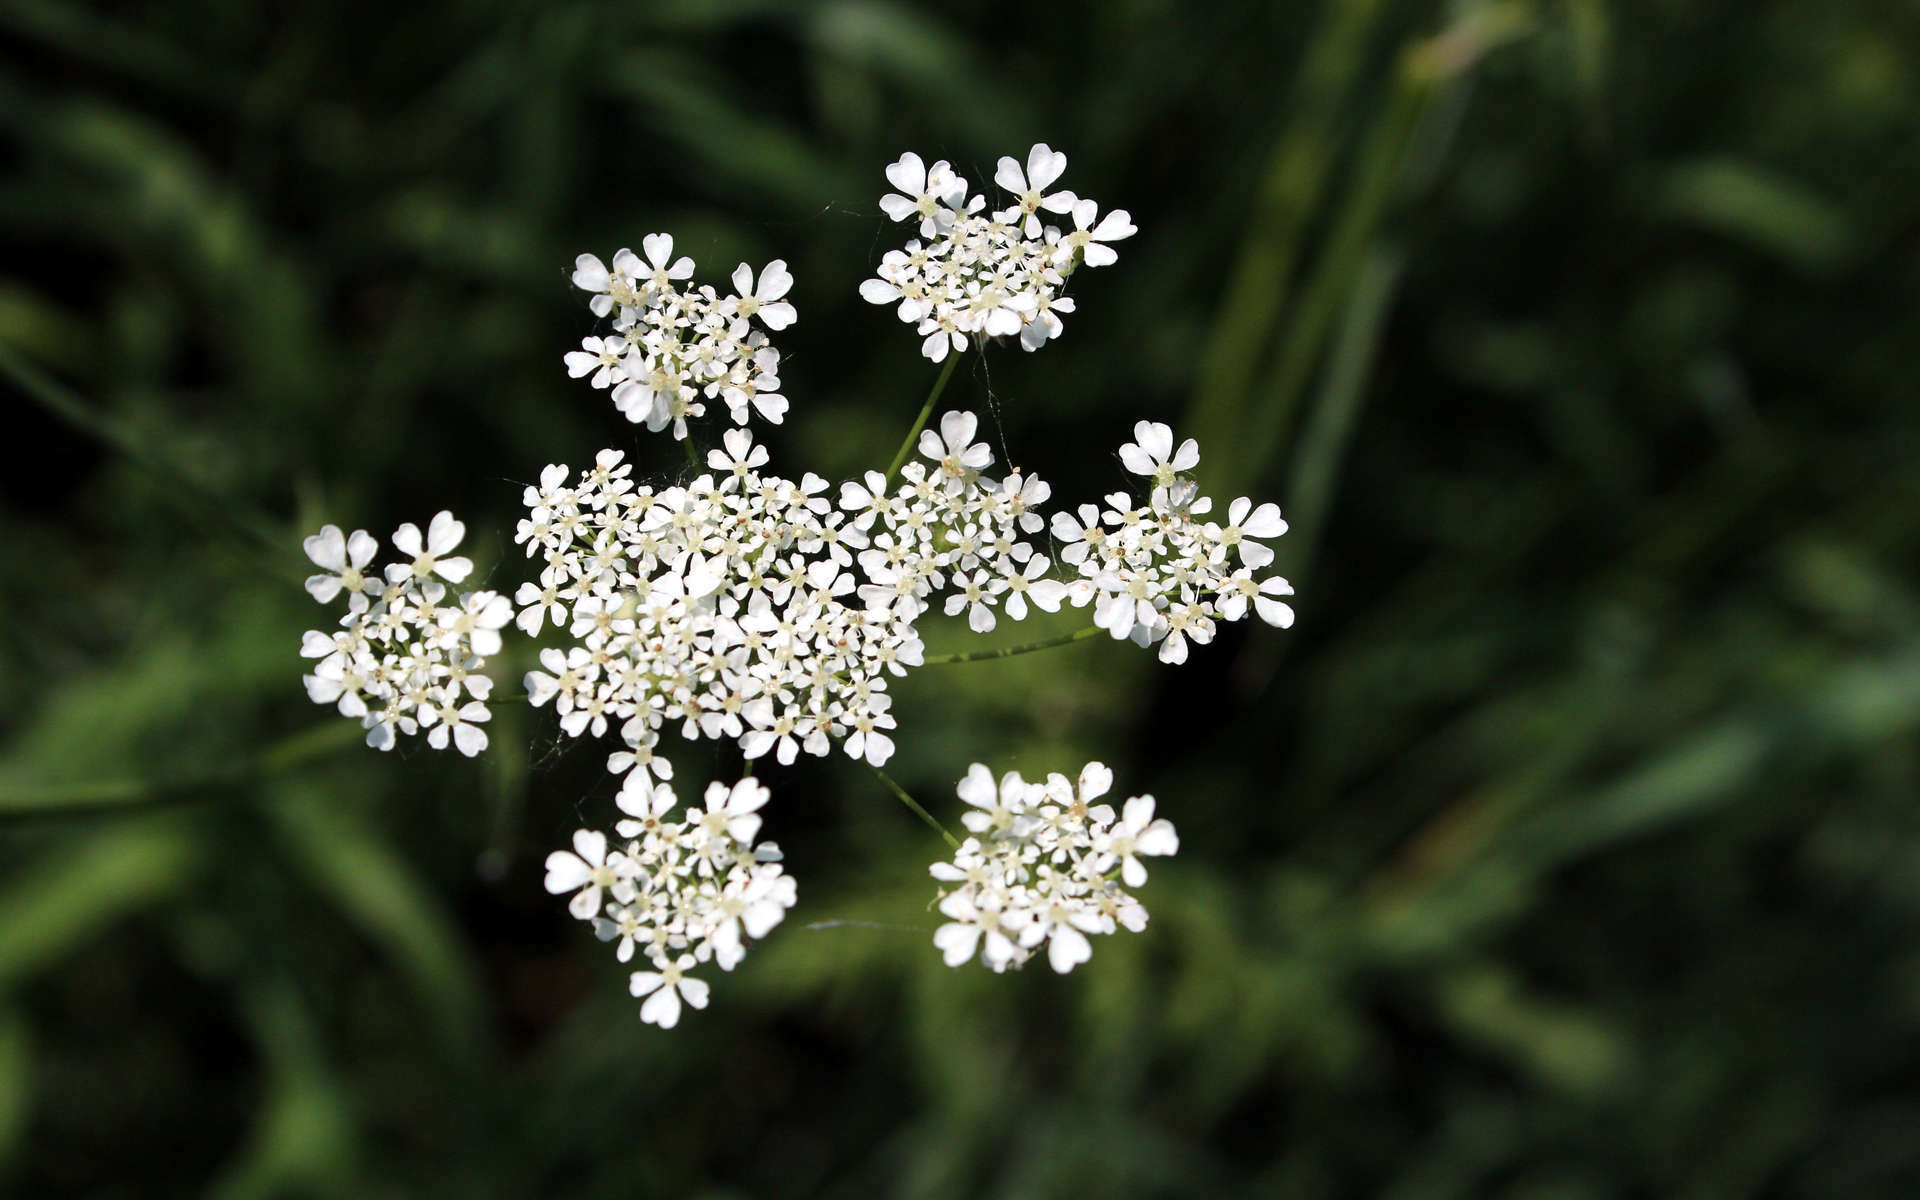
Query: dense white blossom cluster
(1044, 866)
(744, 606)
(1163, 574)
(673, 346)
(948, 526)
(975, 273)
(728, 605)
(403, 657)
(681, 892)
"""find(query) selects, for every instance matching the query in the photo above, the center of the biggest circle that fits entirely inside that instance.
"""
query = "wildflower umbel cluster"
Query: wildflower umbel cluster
(975, 273)
(728, 606)
(743, 606)
(404, 657)
(1044, 868)
(674, 346)
(680, 892)
(1161, 574)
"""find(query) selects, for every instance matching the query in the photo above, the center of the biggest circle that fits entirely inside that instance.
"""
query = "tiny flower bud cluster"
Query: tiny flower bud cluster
(1161, 575)
(674, 347)
(1041, 867)
(727, 605)
(403, 659)
(681, 892)
(952, 526)
(988, 274)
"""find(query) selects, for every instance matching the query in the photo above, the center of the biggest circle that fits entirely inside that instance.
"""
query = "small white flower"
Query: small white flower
(1029, 187)
(585, 870)
(1152, 453)
(927, 192)
(443, 536)
(1138, 834)
(663, 269)
(764, 299)
(665, 989)
(1089, 238)
(344, 559)
(735, 810)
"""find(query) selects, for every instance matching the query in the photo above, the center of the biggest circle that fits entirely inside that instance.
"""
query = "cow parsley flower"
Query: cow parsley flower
(773, 612)
(1040, 868)
(403, 658)
(1161, 575)
(975, 273)
(678, 893)
(675, 347)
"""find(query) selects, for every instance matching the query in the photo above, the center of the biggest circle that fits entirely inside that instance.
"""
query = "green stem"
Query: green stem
(1065, 639)
(926, 410)
(914, 805)
(693, 456)
(112, 795)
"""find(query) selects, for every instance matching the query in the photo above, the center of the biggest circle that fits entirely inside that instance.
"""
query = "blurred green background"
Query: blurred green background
(1566, 848)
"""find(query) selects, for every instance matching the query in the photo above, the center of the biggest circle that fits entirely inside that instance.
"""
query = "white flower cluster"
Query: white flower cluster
(727, 605)
(674, 347)
(1041, 867)
(682, 892)
(1162, 575)
(949, 526)
(984, 274)
(403, 658)
(772, 613)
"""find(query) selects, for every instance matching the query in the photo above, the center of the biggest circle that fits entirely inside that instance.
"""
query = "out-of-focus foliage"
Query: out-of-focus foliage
(1567, 848)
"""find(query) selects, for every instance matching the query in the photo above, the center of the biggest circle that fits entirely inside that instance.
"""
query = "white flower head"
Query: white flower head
(980, 273)
(1039, 869)
(404, 658)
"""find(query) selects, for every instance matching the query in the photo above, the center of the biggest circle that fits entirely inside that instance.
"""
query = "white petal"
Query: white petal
(565, 872)
(406, 540)
(694, 991)
(775, 281)
(328, 549)
(444, 533)
(978, 788)
(662, 1008)
(1273, 612)
(642, 983)
(1066, 948)
(957, 429)
(589, 273)
(1137, 460)
(1114, 226)
(591, 845)
(470, 739)
(909, 174)
(1158, 839)
(361, 547)
(956, 942)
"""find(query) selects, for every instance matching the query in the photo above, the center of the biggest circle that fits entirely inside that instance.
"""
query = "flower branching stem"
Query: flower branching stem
(1065, 639)
(920, 422)
(914, 805)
